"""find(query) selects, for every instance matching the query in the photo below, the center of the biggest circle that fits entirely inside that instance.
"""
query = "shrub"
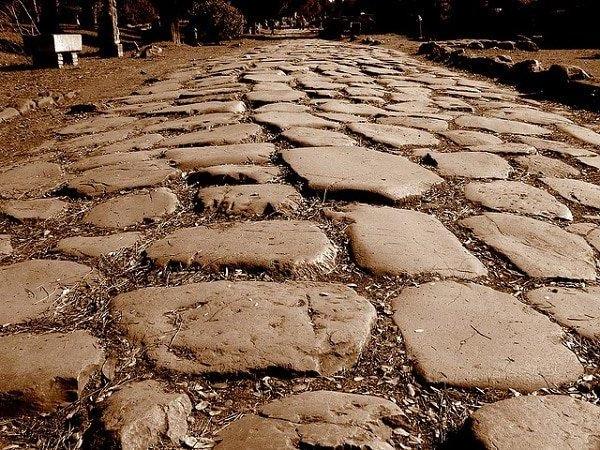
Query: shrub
(217, 20)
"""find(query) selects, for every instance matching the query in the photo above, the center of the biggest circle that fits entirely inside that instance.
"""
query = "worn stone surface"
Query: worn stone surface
(225, 135)
(530, 115)
(113, 159)
(235, 174)
(425, 123)
(359, 172)
(283, 120)
(97, 125)
(556, 146)
(476, 165)
(539, 249)
(229, 327)
(235, 107)
(393, 135)
(578, 191)
(250, 200)
(319, 419)
(37, 209)
(31, 288)
(6, 248)
(193, 158)
(548, 422)
(589, 231)
(140, 414)
(100, 246)
(313, 137)
(578, 309)
(289, 245)
(133, 209)
(46, 371)
(583, 134)
(143, 142)
(479, 337)
(468, 138)
(509, 148)
(194, 122)
(517, 197)
(275, 96)
(389, 241)
(548, 167)
(36, 178)
(359, 109)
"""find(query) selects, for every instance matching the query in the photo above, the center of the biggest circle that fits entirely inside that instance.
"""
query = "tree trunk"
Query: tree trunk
(88, 14)
(49, 17)
(169, 21)
(175, 30)
(108, 32)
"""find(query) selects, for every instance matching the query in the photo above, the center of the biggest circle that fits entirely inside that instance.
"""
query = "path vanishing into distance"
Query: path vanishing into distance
(316, 245)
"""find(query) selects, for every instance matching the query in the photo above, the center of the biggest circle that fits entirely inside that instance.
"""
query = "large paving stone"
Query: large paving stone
(31, 288)
(556, 146)
(539, 249)
(234, 174)
(114, 178)
(517, 197)
(44, 372)
(193, 158)
(142, 142)
(574, 308)
(194, 122)
(589, 231)
(100, 246)
(545, 166)
(275, 96)
(578, 191)
(243, 327)
(544, 422)
(36, 178)
(466, 138)
(393, 135)
(359, 172)
(496, 125)
(359, 109)
(96, 125)
(234, 107)
(508, 148)
(283, 120)
(319, 419)
(313, 137)
(477, 165)
(37, 209)
(420, 107)
(133, 209)
(113, 159)
(581, 133)
(141, 414)
(288, 245)
(530, 115)
(226, 135)
(389, 241)
(425, 123)
(268, 77)
(89, 141)
(282, 107)
(469, 335)
(250, 200)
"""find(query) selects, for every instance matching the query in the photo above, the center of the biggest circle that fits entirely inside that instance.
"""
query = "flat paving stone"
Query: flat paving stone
(275, 96)
(296, 246)
(545, 166)
(476, 165)
(589, 231)
(548, 422)
(578, 191)
(142, 142)
(233, 106)
(313, 137)
(226, 135)
(234, 174)
(36, 178)
(238, 327)
(114, 178)
(496, 125)
(479, 337)
(6, 248)
(424, 123)
(90, 141)
(193, 158)
(539, 249)
(392, 135)
(96, 125)
(141, 414)
(556, 147)
(319, 419)
(530, 115)
(113, 159)
(359, 109)
(31, 289)
(36, 209)
(590, 161)
(581, 133)
(268, 77)
(98, 246)
(468, 138)
(282, 107)
(46, 371)
(578, 309)
(283, 120)
(359, 172)
(507, 148)
(133, 209)
(191, 123)
(422, 107)
(250, 200)
(341, 117)
(389, 241)
(517, 197)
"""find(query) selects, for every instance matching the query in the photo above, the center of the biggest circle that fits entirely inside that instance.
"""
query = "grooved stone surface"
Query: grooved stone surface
(539, 249)
(479, 337)
(36, 178)
(546, 422)
(288, 245)
(231, 327)
(320, 419)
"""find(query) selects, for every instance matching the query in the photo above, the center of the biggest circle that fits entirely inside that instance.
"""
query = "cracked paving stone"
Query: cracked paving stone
(359, 172)
(539, 249)
(191, 123)
(517, 197)
(578, 191)
(283, 120)
(193, 158)
(98, 246)
(240, 327)
(555, 147)
(113, 159)
(545, 166)
(393, 135)
(296, 246)
(250, 200)
(319, 419)
(143, 142)
(540, 422)
(37, 209)
(33, 288)
(581, 133)
(341, 117)
(314, 137)
(46, 371)
(589, 231)
(234, 174)
(226, 135)
(476, 165)
(275, 96)
(132, 209)
(36, 178)
(389, 241)
(96, 125)
(479, 337)
(93, 140)
(466, 138)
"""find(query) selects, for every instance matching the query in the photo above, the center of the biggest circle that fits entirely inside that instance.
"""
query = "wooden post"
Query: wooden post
(108, 32)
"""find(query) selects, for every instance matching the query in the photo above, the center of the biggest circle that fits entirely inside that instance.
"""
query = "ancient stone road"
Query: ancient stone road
(316, 245)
